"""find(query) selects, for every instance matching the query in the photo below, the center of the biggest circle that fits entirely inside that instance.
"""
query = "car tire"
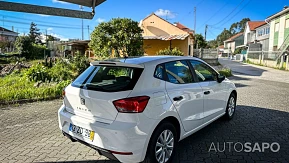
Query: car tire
(153, 151)
(231, 107)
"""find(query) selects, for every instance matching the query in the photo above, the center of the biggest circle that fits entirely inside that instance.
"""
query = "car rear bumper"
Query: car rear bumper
(123, 140)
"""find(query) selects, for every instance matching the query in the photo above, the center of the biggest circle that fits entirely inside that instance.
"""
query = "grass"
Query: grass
(15, 87)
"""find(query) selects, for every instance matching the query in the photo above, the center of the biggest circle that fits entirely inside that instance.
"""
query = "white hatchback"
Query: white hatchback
(137, 109)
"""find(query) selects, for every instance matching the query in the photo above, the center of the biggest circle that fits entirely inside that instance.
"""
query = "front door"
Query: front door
(214, 93)
(185, 94)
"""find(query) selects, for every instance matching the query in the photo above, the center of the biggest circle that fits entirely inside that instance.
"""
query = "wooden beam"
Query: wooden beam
(27, 8)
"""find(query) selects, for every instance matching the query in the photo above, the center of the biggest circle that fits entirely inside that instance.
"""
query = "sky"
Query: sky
(218, 14)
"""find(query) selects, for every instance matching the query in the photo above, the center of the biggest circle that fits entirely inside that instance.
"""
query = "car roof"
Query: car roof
(150, 59)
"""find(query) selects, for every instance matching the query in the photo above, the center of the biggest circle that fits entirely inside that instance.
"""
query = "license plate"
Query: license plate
(85, 133)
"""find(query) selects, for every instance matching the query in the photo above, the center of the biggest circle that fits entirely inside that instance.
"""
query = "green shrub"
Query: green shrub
(15, 87)
(174, 52)
(226, 72)
(79, 64)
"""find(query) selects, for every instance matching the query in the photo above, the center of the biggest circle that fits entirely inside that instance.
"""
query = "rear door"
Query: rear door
(92, 93)
(215, 93)
(185, 94)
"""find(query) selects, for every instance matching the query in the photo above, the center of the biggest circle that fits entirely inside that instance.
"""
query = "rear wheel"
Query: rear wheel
(162, 145)
(231, 107)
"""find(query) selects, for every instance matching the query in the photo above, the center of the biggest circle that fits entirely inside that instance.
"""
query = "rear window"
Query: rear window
(108, 78)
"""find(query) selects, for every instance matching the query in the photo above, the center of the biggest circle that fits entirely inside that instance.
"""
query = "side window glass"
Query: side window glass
(204, 72)
(178, 72)
(159, 72)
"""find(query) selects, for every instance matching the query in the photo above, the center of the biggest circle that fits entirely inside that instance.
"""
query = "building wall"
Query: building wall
(151, 47)
(155, 26)
(278, 36)
(264, 38)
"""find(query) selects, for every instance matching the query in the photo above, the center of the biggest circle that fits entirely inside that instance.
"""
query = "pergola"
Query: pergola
(28, 8)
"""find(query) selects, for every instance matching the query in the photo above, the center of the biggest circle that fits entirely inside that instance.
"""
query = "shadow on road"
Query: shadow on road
(241, 68)
(250, 124)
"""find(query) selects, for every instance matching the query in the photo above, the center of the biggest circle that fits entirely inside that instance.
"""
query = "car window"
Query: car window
(109, 79)
(178, 72)
(159, 72)
(203, 72)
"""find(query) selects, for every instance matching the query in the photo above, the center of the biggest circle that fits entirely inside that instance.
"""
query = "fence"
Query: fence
(208, 55)
(268, 58)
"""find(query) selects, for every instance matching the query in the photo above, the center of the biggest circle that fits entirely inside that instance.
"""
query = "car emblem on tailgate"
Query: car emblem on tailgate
(82, 101)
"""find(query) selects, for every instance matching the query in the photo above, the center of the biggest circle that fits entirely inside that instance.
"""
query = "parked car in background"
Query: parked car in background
(138, 109)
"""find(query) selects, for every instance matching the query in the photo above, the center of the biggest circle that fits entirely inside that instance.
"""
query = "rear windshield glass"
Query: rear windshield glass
(108, 78)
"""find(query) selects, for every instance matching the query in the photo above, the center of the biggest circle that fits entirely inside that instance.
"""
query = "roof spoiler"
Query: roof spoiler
(116, 64)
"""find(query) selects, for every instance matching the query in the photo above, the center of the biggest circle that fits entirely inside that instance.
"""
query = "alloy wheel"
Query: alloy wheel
(231, 107)
(164, 146)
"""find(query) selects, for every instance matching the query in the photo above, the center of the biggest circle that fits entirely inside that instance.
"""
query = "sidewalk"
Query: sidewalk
(254, 71)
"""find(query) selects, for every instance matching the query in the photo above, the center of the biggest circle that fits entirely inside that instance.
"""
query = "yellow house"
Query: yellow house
(159, 34)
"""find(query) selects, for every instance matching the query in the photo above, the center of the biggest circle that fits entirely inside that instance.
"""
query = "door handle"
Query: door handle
(178, 98)
(207, 92)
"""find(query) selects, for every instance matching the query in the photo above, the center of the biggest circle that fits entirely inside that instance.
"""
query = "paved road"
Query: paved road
(29, 132)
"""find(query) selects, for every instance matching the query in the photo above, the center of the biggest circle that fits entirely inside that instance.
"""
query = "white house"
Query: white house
(279, 30)
(7, 35)
(262, 36)
(250, 31)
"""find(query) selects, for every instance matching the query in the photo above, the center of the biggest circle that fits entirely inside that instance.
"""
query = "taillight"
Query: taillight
(131, 105)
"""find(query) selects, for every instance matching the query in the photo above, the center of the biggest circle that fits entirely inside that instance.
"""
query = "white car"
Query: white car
(138, 109)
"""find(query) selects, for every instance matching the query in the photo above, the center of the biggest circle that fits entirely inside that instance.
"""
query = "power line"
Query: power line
(237, 13)
(214, 15)
(13, 17)
(230, 13)
(192, 10)
(43, 25)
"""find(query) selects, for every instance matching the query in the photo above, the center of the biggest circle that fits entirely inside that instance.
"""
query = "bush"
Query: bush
(175, 52)
(226, 72)
(15, 87)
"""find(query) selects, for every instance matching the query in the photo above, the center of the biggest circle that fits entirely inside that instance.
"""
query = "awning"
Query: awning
(79, 42)
(87, 3)
(167, 37)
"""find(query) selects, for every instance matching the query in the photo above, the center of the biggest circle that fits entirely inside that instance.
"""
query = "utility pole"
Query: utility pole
(46, 43)
(81, 7)
(88, 32)
(195, 39)
(206, 28)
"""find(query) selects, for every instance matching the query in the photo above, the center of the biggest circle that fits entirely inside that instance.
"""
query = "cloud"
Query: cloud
(49, 29)
(56, 1)
(100, 20)
(43, 15)
(62, 38)
(165, 13)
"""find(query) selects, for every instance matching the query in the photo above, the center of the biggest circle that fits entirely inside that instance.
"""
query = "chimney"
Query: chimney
(285, 7)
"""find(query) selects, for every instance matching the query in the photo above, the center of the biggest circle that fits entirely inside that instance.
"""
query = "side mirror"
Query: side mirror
(220, 78)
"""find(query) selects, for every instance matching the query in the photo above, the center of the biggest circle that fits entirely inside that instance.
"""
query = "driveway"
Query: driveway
(30, 133)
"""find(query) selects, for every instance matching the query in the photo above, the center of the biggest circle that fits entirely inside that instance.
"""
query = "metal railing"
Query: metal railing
(283, 47)
(267, 55)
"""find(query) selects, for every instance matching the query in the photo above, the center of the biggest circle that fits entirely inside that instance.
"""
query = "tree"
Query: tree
(223, 36)
(34, 33)
(200, 41)
(23, 45)
(50, 38)
(121, 35)
(239, 26)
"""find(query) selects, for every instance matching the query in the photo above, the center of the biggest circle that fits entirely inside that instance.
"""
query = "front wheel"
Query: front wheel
(231, 107)
(162, 145)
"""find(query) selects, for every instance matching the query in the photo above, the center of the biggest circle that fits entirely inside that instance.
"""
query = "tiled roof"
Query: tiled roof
(184, 28)
(6, 30)
(254, 24)
(167, 37)
(233, 37)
